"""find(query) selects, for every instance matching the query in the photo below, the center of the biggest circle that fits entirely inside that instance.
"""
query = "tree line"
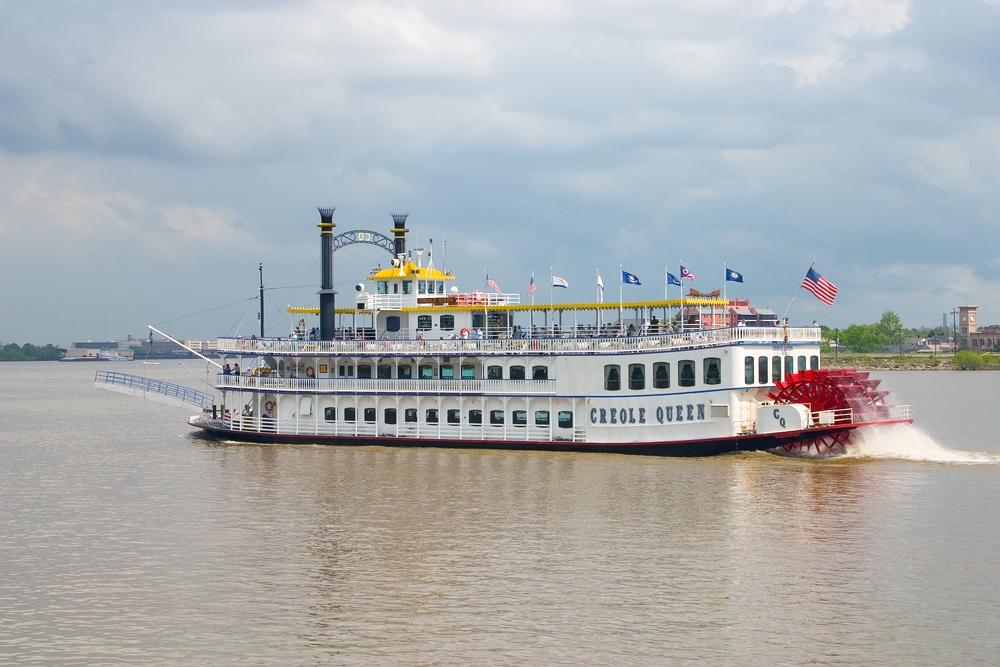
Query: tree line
(887, 331)
(29, 352)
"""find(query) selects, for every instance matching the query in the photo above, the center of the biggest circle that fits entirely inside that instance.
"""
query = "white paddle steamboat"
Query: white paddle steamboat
(431, 367)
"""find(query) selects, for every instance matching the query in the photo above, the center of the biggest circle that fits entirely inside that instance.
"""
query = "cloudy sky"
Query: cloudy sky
(152, 154)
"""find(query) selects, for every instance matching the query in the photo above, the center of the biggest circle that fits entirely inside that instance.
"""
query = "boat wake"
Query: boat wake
(899, 441)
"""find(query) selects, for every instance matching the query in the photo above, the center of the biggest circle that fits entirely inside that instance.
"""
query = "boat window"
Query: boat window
(410, 415)
(390, 415)
(395, 287)
(496, 416)
(712, 368)
(494, 373)
(661, 375)
(423, 322)
(762, 370)
(565, 419)
(431, 417)
(748, 370)
(426, 372)
(612, 377)
(477, 321)
(814, 362)
(447, 372)
(407, 287)
(685, 373)
(440, 284)
(542, 418)
(350, 414)
(404, 372)
(539, 372)
(330, 414)
(517, 372)
(383, 286)
(802, 363)
(383, 371)
(775, 369)
(422, 287)
(468, 372)
(448, 322)
(519, 417)
(789, 366)
(475, 416)
(369, 414)
(636, 376)
(364, 370)
(392, 323)
(454, 416)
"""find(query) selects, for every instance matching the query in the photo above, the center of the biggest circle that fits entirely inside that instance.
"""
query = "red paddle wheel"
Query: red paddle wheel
(835, 389)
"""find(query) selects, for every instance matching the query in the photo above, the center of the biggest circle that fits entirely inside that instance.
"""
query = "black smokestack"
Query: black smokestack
(327, 295)
(400, 231)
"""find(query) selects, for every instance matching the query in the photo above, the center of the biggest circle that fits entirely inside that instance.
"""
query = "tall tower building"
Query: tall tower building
(966, 322)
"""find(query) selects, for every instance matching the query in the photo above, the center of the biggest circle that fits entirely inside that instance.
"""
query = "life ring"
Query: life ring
(269, 406)
(464, 333)
(310, 372)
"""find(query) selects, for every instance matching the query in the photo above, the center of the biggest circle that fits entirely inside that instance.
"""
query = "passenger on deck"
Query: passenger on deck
(479, 334)
(226, 370)
(236, 369)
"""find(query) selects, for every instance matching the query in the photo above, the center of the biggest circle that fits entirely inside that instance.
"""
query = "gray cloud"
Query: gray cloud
(183, 143)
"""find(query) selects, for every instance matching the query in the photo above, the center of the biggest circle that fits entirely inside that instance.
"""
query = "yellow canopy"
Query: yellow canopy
(539, 307)
(410, 270)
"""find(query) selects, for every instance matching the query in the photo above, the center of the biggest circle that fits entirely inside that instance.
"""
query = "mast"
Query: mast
(261, 267)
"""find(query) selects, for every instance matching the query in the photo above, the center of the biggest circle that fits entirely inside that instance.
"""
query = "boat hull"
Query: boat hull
(690, 448)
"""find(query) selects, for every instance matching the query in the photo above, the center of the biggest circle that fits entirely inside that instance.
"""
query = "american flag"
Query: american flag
(531, 287)
(824, 290)
(492, 283)
(686, 274)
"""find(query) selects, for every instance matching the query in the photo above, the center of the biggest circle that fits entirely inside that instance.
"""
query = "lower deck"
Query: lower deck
(234, 429)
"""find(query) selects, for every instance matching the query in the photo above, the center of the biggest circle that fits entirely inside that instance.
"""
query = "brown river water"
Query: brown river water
(127, 538)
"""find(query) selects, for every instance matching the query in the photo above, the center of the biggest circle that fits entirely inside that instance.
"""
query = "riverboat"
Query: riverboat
(425, 365)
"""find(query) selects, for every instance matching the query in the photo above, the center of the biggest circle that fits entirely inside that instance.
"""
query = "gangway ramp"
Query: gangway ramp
(153, 390)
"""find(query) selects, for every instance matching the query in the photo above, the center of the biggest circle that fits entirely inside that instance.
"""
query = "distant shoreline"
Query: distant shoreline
(906, 362)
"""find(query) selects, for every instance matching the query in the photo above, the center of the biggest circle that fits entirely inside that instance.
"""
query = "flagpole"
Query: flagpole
(552, 285)
(796, 296)
(621, 283)
(681, 281)
(531, 313)
(725, 272)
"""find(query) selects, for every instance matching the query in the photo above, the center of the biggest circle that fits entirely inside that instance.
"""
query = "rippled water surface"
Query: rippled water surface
(126, 538)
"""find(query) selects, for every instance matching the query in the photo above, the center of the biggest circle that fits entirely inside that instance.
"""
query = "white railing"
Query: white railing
(832, 417)
(526, 346)
(847, 416)
(387, 385)
(399, 301)
(440, 431)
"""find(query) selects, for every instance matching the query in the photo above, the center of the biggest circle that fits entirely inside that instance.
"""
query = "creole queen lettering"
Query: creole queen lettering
(633, 415)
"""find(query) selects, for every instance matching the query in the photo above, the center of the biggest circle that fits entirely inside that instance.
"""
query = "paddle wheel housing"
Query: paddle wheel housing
(833, 392)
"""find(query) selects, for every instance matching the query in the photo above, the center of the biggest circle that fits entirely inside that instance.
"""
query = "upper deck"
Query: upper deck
(566, 345)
